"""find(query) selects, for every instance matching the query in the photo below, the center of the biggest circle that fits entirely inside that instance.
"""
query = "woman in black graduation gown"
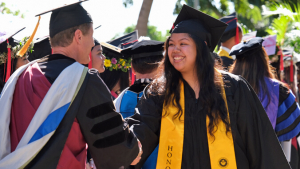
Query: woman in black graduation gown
(184, 111)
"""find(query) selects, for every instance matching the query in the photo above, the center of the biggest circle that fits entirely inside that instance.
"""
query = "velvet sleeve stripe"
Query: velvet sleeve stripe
(111, 140)
(107, 125)
(287, 114)
(289, 132)
(286, 104)
(100, 110)
(289, 121)
(283, 93)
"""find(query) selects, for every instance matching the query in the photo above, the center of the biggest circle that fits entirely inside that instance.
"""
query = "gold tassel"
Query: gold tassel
(25, 47)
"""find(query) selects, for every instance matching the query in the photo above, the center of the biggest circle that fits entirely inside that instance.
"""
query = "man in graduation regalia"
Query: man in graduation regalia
(55, 107)
(232, 35)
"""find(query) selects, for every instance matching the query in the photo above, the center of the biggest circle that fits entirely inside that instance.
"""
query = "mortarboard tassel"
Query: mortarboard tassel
(281, 62)
(25, 47)
(292, 71)
(237, 38)
(8, 68)
(132, 77)
(90, 63)
(281, 59)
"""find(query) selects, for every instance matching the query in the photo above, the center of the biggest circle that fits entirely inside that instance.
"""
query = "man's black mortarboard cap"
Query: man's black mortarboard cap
(231, 30)
(144, 48)
(126, 40)
(67, 16)
(199, 24)
(41, 48)
(247, 47)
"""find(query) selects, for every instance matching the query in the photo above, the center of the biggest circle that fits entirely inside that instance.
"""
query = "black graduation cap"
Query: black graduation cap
(126, 40)
(41, 48)
(287, 52)
(113, 48)
(248, 47)
(287, 56)
(231, 30)
(67, 16)
(95, 40)
(144, 48)
(197, 23)
(7, 35)
(111, 51)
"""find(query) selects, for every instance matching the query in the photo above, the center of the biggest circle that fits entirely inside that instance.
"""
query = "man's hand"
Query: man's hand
(138, 158)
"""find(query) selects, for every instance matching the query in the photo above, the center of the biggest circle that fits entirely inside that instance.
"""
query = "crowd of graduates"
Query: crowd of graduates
(208, 97)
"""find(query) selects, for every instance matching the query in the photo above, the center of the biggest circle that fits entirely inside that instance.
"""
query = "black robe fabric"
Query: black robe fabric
(111, 143)
(227, 62)
(255, 142)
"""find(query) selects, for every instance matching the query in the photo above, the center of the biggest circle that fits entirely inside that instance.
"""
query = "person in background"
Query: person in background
(97, 58)
(40, 49)
(252, 63)
(232, 36)
(200, 117)
(7, 68)
(116, 75)
(146, 56)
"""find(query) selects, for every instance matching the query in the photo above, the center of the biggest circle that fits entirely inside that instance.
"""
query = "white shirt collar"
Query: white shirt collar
(228, 51)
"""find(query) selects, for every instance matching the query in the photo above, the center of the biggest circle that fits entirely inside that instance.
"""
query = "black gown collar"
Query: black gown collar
(139, 85)
(53, 57)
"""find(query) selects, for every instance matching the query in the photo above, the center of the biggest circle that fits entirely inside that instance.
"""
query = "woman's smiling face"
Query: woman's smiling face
(98, 59)
(182, 52)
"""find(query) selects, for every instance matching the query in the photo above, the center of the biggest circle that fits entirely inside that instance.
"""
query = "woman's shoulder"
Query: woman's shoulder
(284, 92)
(233, 82)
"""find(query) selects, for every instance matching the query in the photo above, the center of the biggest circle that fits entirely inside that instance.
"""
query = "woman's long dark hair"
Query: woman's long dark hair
(111, 78)
(254, 67)
(168, 84)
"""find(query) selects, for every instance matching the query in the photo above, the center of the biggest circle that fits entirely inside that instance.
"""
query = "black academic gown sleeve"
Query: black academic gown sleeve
(255, 140)
(146, 124)
(111, 143)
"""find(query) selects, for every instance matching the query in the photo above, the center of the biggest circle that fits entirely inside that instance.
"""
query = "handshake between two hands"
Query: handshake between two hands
(91, 165)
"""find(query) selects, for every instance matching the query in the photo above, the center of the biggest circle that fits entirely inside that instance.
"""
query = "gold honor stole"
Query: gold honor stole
(221, 149)
(224, 53)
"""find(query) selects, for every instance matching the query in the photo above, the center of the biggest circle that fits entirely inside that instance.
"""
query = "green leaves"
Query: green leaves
(152, 32)
(6, 10)
(127, 3)
(289, 19)
(280, 26)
